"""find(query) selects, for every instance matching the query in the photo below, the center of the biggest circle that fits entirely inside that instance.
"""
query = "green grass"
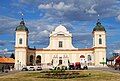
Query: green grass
(35, 76)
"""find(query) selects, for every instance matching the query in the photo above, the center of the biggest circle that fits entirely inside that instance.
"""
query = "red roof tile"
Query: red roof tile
(7, 60)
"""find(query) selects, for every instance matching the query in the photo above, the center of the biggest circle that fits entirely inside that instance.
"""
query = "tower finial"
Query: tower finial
(22, 19)
(98, 20)
(22, 16)
(22, 22)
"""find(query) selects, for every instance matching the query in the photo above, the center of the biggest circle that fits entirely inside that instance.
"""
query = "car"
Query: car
(39, 68)
(117, 66)
(64, 67)
(85, 67)
(71, 66)
(51, 68)
(77, 65)
(31, 68)
(24, 69)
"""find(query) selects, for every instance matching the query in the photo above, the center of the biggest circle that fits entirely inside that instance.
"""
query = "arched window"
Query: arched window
(89, 58)
(100, 41)
(31, 59)
(20, 41)
(38, 60)
(60, 44)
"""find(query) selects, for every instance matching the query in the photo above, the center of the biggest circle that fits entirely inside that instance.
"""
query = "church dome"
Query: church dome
(60, 28)
(21, 27)
(99, 27)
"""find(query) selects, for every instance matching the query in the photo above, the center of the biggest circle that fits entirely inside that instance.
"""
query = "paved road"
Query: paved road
(10, 72)
(109, 69)
(103, 69)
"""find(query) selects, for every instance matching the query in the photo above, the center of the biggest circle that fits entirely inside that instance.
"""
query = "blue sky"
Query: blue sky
(42, 16)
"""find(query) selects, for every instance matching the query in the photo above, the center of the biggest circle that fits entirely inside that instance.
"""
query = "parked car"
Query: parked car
(117, 66)
(51, 68)
(71, 66)
(39, 68)
(85, 67)
(31, 68)
(57, 68)
(64, 67)
(24, 69)
(77, 65)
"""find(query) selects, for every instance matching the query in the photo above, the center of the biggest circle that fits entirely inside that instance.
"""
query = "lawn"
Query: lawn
(94, 75)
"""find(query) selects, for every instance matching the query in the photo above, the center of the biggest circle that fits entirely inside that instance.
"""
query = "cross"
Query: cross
(22, 16)
(60, 22)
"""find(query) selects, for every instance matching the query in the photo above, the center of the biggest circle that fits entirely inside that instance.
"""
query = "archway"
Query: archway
(60, 62)
(38, 60)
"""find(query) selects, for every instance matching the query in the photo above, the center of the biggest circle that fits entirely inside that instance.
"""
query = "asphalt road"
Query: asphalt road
(109, 69)
(9, 72)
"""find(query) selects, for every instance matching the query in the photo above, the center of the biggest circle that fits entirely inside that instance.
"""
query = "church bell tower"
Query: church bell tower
(99, 44)
(21, 45)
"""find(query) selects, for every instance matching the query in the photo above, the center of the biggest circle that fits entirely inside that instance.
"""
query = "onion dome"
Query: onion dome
(99, 27)
(22, 27)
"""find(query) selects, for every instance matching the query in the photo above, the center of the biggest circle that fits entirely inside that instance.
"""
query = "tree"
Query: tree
(12, 56)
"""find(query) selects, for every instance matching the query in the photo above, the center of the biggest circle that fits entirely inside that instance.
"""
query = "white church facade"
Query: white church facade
(60, 50)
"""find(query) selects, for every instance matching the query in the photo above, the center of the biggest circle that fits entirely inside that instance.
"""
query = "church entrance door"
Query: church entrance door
(60, 62)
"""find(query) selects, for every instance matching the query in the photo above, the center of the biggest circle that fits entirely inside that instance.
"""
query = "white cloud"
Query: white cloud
(57, 6)
(91, 10)
(63, 6)
(66, 11)
(81, 9)
(45, 6)
(118, 17)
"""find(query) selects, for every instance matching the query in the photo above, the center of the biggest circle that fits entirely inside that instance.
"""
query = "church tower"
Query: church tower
(21, 45)
(99, 44)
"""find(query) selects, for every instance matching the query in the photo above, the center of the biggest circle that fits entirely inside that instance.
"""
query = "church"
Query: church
(60, 50)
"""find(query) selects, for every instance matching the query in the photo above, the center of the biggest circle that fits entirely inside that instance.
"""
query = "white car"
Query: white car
(39, 68)
(50, 67)
(31, 68)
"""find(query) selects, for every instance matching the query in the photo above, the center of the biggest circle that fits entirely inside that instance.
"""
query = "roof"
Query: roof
(60, 28)
(85, 49)
(117, 60)
(99, 27)
(22, 27)
(7, 60)
(112, 58)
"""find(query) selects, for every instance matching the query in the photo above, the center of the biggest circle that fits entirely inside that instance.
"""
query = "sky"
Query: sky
(42, 16)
